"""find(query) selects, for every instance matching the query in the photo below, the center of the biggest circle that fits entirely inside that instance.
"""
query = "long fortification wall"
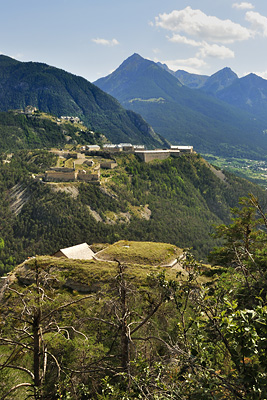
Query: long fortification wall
(147, 155)
(85, 177)
(53, 176)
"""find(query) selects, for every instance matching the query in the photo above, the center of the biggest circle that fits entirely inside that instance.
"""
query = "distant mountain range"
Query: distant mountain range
(248, 93)
(58, 92)
(221, 114)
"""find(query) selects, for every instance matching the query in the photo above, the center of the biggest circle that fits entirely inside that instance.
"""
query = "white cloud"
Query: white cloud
(182, 39)
(192, 65)
(18, 56)
(258, 22)
(205, 49)
(105, 42)
(243, 6)
(215, 51)
(197, 23)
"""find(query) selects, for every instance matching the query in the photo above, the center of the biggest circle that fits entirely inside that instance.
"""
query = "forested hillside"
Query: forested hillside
(58, 92)
(41, 130)
(177, 201)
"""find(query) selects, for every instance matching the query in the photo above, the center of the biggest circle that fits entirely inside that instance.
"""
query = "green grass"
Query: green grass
(96, 274)
(143, 253)
(69, 163)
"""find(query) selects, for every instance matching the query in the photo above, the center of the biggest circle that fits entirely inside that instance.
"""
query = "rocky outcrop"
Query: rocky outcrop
(81, 287)
(19, 195)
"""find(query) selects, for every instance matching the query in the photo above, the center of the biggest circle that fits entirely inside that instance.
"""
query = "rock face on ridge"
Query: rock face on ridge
(18, 197)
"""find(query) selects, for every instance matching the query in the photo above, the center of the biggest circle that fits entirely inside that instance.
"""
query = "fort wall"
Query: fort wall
(149, 155)
(54, 176)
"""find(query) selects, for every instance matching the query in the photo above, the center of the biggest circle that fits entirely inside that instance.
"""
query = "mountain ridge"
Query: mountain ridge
(248, 93)
(219, 81)
(59, 92)
(184, 115)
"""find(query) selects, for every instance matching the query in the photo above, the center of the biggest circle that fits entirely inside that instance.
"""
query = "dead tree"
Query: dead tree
(127, 315)
(32, 315)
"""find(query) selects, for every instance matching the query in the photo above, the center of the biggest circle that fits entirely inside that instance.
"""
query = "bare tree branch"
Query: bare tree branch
(56, 361)
(20, 368)
(13, 342)
(15, 388)
(147, 317)
(74, 330)
(103, 320)
(65, 306)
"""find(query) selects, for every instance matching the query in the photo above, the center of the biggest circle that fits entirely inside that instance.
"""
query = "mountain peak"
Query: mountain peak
(137, 73)
(226, 71)
(253, 77)
(134, 60)
(135, 56)
(248, 93)
(220, 80)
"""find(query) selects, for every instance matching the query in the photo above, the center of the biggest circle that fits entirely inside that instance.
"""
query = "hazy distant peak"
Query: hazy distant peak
(133, 63)
(253, 76)
(134, 58)
(225, 71)
(220, 80)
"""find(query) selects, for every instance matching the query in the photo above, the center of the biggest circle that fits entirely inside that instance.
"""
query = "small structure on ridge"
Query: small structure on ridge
(79, 252)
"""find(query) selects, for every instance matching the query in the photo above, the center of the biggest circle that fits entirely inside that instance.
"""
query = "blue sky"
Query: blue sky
(91, 38)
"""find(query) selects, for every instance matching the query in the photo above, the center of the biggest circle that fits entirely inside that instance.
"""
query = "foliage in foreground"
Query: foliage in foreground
(166, 337)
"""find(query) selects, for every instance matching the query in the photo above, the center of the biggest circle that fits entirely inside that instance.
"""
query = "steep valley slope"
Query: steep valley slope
(177, 201)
